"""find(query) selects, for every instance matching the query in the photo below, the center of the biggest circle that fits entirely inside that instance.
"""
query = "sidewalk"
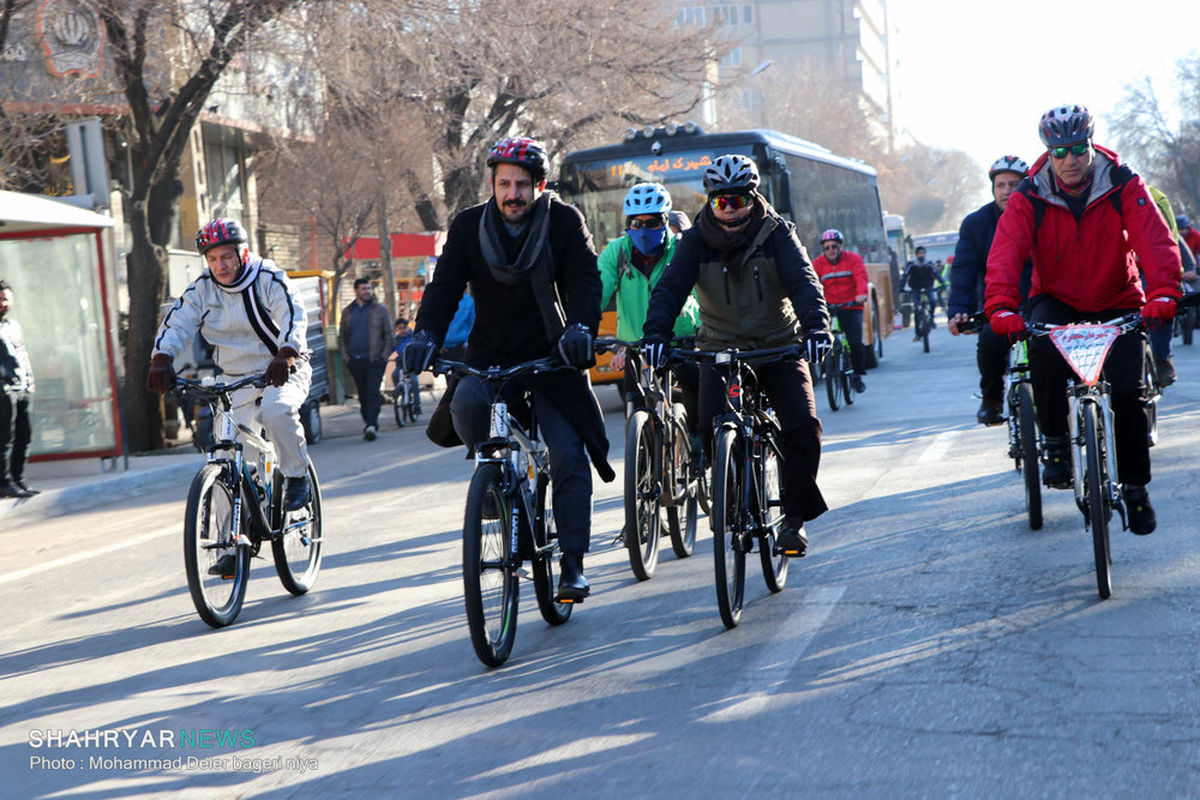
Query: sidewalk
(76, 484)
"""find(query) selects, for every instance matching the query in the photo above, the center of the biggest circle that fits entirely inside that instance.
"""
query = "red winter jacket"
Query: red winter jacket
(1088, 265)
(1192, 239)
(844, 280)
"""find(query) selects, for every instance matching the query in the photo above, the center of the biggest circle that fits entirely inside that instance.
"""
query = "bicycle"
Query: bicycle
(837, 369)
(922, 320)
(507, 521)
(233, 507)
(747, 508)
(405, 399)
(1153, 390)
(662, 469)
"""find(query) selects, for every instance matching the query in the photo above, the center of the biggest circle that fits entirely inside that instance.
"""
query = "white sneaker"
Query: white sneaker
(369, 433)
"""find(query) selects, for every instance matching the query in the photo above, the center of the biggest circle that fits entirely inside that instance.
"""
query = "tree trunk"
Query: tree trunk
(385, 254)
(146, 269)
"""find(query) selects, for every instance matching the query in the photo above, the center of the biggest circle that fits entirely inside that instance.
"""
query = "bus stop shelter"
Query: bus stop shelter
(58, 260)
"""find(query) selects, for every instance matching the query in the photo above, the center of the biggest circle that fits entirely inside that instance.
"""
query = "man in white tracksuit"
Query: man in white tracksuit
(247, 308)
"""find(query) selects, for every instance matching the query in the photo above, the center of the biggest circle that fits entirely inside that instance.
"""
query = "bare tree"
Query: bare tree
(934, 188)
(1164, 151)
(165, 99)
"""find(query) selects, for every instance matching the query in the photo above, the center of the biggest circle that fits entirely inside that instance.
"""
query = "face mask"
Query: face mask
(648, 241)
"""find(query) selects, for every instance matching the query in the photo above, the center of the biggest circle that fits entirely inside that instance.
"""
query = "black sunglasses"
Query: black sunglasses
(1073, 149)
(634, 224)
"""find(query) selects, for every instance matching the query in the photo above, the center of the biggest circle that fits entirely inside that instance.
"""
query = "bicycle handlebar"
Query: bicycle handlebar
(734, 354)
(216, 390)
(545, 364)
(1126, 322)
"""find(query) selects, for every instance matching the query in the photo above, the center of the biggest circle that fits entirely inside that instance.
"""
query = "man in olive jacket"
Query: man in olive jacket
(365, 338)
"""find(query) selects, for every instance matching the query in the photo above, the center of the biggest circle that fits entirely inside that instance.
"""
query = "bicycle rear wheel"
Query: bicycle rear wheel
(297, 548)
(643, 493)
(926, 325)
(545, 568)
(1095, 487)
(489, 570)
(1027, 441)
(207, 537)
(728, 526)
(682, 513)
(774, 565)
(831, 368)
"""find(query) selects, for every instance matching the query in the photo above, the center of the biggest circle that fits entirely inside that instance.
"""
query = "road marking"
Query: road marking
(936, 452)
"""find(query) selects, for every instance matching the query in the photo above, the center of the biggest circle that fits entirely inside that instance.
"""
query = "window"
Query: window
(222, 156)
(734, 59)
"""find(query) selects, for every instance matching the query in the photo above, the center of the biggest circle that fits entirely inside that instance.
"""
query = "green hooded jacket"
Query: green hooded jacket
(617, 274)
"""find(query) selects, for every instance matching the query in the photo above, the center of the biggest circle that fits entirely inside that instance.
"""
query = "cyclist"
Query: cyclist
(1079, 213)
(1189, 234)
(756, 289)
(400, 341)
(529, 260)
(1160, 337)
(844, 278)
(919, 278)
(631, 266)
(247, 308)
(967, 276)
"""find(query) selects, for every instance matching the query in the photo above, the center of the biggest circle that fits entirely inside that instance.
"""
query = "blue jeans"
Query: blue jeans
(570, 469)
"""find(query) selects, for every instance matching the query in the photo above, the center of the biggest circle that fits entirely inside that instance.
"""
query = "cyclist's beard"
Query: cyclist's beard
(521, 209)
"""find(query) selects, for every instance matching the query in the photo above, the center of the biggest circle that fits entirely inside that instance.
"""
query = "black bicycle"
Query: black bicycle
(508, 520)
(233, 507)
(747, 506)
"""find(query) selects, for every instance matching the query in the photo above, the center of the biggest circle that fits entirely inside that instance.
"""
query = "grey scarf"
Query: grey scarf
(533, 262)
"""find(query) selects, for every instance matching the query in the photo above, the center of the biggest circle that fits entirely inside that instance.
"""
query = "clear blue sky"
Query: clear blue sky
(977, 75)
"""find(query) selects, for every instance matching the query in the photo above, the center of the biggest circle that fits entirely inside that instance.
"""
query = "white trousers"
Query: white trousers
(279, 415)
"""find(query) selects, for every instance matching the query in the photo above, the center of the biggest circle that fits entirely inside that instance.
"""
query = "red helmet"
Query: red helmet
(223, 231)
(522, 151)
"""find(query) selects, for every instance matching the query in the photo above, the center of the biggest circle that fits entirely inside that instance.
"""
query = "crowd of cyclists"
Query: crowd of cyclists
(1075, 236)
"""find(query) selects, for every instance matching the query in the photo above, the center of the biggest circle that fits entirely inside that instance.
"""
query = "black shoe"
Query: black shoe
(1056, 463)
(991, 412)
(226, 566)
(1166, 372)
(859, 385)
(295, 493)
(572, 586)
(1141, 513)
(14, 490)
(369, 433)
(792, 541)
(20, 484)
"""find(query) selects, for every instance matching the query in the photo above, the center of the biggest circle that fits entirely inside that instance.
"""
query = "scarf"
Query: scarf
(533, 263)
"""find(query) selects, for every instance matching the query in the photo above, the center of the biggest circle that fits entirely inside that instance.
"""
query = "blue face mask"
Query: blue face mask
(648, 241)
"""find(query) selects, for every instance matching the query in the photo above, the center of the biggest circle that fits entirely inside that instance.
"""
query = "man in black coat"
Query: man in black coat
(529, 260)
(967, 275)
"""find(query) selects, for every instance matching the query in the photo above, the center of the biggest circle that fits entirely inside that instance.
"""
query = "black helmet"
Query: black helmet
(1063, 125)
(731, 174)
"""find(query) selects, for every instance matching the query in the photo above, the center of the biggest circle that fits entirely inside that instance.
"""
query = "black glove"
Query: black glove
(819, 343)
(161, 374)
(420, 352)
(575, 347)
(656, 351)
(281, 366)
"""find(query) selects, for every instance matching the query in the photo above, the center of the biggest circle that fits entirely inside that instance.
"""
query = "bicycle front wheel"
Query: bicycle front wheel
(1027, 441)
(297, 547)
(398, 406)
(831, 369)
(1152, 394)
(774, 565)
(216, 583)
(728, 526)
(685, 485)
(489, 570)
(1095, 485)
(643, 494)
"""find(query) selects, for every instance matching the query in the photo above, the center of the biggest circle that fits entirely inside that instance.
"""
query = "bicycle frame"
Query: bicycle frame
(1018, 373)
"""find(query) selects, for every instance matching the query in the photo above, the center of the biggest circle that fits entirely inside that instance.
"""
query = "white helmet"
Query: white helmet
(1007, 164)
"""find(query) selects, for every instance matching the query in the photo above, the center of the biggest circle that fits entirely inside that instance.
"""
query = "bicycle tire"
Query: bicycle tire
(831, 367)
(545, 570)
(878, 323)
(728, 520)
(1028, 461)
(1187, 325)
(490, 586)
(297, 552)
(1095, 499)
(1152, 394)
(682, 516)
(774, 565)
(643, 494)
(847, 373)
(208, 521)
(398, 406)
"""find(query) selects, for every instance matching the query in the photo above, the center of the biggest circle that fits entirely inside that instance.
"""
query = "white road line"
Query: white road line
(938, 448)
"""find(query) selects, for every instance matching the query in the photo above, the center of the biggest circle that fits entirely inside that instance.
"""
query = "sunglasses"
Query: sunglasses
(635, 224)
(831, 246)
(734, 201)
(1073, 149)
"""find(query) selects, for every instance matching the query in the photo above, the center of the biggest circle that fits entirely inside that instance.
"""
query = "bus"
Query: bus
(806, 183)
(938, 246)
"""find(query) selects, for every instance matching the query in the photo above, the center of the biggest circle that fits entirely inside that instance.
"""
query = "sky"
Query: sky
(977, 75)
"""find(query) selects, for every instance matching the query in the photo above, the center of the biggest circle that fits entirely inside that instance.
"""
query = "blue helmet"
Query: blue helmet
(1181, 221)
(1066, 124)
(647, 198)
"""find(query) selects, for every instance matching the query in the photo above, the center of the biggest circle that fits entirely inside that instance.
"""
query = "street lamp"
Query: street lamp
(762, 106)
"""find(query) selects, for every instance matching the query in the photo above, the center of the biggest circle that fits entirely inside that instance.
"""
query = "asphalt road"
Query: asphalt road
(930, 645)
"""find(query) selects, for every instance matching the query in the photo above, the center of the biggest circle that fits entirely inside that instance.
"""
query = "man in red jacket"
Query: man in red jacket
(844, 280)
(1082, 215)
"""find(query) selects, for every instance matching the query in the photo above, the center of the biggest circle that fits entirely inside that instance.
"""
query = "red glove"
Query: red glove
(1008, 324)
(161, 374)
(281, 366)
(1158, 311)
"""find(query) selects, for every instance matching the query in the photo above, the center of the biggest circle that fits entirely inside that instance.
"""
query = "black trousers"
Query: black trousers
(788, 386)
(1123, 371)
(991, 354)
(368, 375)
(851, 322)
(15, 435)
